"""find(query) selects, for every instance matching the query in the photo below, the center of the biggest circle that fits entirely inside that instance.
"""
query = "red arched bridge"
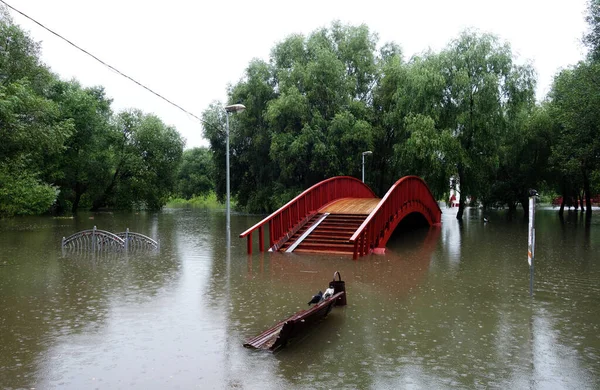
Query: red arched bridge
(343, 215)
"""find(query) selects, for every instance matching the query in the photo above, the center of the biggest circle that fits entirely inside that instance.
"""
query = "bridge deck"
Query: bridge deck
(362, 206)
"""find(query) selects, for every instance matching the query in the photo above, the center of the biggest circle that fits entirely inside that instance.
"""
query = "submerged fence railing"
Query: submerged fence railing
(97, 240)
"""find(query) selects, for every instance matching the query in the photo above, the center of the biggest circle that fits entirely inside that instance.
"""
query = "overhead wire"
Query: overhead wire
(105, 64)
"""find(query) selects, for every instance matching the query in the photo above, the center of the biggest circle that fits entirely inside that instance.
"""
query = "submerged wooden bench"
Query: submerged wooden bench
(279, 335)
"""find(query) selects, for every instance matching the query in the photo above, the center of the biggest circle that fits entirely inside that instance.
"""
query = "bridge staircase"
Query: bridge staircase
(343, 215)
(331, 234)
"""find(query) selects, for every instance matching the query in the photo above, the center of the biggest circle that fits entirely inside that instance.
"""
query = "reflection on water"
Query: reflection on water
(444, 307)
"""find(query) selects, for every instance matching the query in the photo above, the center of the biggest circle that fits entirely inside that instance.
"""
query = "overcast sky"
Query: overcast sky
(189, 51)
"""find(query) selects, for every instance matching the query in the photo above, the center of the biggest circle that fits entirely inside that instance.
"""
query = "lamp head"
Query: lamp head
(368, 152)
(235, 108)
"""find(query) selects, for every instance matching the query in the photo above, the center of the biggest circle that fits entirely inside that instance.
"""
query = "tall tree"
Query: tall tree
(408, 133)
(83, 168)
(148, 167)
(575, 98)
(309, 114)
(196, 173)
(31, 128)
(483, 90)
(592, 38)
(524, 160)
(20, 56)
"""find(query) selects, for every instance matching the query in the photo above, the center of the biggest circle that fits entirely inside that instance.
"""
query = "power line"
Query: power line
(104, 63)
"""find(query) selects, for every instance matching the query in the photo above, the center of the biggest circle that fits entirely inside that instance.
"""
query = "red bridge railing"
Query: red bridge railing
(409, 194)
(282, 221)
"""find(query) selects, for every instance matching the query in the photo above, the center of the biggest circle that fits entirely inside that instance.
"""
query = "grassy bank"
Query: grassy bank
(208, 201)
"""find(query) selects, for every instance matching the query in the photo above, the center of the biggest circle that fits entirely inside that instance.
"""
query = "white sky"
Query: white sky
(189, 51)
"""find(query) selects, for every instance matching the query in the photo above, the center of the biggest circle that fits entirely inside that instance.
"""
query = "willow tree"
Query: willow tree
(407, 100)
(308, 117)
(449, 113)
(484, 95)
(575, 98)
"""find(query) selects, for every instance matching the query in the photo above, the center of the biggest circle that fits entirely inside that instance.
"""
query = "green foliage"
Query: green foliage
(320, 100)
(324, 99)
(574, 108)
(63, 148)
(524, 161)
(29, 124)
(208, 200)
(82, 168)
(147, 162)
(308, 116)
(450, 113)
(592, 37)
(196, 173)
(484, 92)
(31, 128)
(19, 57)
(22, 193)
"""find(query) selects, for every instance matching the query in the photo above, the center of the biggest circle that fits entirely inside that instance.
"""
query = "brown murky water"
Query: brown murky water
(446, 308)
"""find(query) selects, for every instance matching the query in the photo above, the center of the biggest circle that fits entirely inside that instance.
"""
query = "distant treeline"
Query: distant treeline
(467, 112)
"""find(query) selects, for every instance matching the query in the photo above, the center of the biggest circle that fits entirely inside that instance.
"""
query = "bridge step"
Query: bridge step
(325, 247)
(332, 235)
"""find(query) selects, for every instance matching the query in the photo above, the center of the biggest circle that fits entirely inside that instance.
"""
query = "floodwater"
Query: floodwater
(444, 308)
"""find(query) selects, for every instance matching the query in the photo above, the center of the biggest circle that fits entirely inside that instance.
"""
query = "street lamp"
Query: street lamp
(368, 152)
(229, 109)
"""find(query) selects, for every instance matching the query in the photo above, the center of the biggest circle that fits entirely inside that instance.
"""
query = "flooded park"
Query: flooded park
(447, 307)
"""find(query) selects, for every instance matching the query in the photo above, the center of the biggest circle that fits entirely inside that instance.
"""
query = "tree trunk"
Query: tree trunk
(564, 196)
(76, 202)
(461, 200)
(525, 203)
(79, 191)
(588, 198)
(101, 200)
(381, 188)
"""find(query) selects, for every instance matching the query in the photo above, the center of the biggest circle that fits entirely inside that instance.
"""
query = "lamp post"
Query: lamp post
(368, 152)
(229, 109)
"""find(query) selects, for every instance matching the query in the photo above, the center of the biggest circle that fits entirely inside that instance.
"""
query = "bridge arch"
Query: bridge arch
(408, 195)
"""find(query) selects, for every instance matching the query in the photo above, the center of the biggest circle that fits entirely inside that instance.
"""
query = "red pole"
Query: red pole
(261, 239)
(363, 237)
(249, 244)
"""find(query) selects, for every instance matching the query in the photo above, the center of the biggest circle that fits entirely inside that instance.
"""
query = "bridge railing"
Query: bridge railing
(408, 193)
(282, 221)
